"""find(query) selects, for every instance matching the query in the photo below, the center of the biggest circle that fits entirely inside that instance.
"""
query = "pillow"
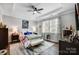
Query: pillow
(27, 33)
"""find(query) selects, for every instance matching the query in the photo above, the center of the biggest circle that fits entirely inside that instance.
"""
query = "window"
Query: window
(46, 26)
(54, 24)
(50, 26)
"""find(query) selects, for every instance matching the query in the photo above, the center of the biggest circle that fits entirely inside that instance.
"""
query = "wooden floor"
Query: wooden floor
(49, 49)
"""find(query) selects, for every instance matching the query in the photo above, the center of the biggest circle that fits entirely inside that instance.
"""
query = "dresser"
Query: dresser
(4, 39)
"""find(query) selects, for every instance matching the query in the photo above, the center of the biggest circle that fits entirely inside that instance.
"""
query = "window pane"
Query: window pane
(54, 25)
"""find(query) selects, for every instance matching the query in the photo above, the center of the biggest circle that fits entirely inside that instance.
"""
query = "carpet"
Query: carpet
(41, 48)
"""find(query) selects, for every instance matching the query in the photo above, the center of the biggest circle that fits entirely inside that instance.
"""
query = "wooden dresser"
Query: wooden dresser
(4, 39)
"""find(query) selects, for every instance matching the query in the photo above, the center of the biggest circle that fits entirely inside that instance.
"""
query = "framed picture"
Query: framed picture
(25, 24)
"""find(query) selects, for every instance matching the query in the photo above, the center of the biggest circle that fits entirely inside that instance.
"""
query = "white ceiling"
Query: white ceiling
(19, 10)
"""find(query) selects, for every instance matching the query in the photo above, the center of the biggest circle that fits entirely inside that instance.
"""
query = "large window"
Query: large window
(51, 26)
(54, 24)
(46, 26)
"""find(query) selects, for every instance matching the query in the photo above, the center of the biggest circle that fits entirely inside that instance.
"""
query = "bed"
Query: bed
(31, 40)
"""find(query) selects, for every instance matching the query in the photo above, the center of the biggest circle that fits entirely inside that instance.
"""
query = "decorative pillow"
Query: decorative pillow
(27, 33)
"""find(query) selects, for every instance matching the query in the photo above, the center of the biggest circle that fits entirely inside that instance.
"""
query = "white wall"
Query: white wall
(12, 21)
(67, 20)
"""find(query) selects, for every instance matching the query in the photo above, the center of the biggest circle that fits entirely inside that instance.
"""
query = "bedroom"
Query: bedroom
(41, 28)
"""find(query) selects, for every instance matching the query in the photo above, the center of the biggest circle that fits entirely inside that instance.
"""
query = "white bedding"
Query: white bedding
(32, 40)
(31, 37)
(36, 41)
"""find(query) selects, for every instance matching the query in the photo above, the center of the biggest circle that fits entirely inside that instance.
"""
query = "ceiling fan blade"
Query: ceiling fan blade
(40, 9)
(33, 7)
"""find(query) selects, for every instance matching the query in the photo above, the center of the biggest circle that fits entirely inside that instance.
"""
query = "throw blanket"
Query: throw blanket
(24, 40)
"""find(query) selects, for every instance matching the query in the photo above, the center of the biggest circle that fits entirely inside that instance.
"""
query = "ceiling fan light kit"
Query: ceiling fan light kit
(35, 9)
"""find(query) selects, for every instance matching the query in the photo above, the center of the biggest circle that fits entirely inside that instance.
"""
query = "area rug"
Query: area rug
(41, 48)
(16, 49)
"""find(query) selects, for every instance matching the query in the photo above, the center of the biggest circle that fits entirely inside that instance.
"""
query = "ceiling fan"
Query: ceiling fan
(35, 9)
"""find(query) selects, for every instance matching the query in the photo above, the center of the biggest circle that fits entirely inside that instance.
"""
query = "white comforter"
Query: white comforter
(36, 41)
(31, 40)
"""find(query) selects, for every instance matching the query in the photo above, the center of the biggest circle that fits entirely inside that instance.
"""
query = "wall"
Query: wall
(67, 20)
(12, 21)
